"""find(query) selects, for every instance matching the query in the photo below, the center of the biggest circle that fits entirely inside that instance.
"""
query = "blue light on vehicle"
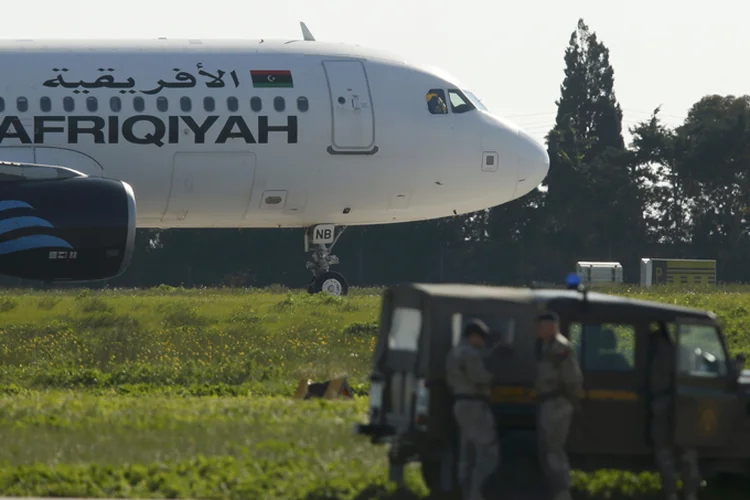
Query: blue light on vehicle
(572, 281)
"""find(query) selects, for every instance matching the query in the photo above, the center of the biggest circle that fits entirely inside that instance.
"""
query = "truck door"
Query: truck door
(706, 393)
(351, 102)
(608, 353)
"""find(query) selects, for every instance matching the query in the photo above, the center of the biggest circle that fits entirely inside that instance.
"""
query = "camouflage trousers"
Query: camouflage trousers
(553, 423)
(665, 451)
(479, 454)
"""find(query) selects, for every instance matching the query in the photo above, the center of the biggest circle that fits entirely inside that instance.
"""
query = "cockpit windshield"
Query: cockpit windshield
(477, 102)
(459, 102)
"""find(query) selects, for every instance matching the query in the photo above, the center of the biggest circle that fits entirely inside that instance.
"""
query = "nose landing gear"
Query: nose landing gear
(323, 237)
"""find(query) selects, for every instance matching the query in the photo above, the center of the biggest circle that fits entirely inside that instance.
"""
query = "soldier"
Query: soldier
(469, 381)
(661, 369)
(558, 387)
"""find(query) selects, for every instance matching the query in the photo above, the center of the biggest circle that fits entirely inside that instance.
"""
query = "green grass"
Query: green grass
(173, 392)
(275, 447)
(254, 342)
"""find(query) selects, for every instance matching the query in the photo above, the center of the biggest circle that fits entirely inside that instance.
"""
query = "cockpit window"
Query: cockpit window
(459, 102)
(436, 102)
(476, 101)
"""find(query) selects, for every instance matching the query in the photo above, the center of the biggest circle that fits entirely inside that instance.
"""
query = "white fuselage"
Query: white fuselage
(211, 149)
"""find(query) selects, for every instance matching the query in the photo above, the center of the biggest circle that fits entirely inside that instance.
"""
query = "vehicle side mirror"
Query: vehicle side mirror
(739, 362)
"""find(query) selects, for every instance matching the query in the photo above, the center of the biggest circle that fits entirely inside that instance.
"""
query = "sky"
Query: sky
(664, 52)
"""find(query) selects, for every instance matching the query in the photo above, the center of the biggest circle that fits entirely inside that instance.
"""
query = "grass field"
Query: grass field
(172, 392)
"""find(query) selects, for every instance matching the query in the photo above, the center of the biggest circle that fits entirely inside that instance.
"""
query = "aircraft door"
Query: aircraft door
(353, 120)
(706, 393)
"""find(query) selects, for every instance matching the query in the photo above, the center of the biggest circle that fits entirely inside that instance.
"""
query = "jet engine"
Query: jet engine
(57, 224)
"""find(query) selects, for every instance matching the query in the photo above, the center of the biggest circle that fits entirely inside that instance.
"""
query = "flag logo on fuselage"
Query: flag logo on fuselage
(272, 78)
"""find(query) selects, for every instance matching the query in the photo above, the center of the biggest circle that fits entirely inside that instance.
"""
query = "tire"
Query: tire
(332, 283)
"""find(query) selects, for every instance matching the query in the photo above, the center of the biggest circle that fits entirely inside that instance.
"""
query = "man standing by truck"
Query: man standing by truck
(559, 384)
(469, 380)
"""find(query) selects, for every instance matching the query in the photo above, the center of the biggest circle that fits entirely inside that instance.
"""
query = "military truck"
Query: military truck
(411, 407)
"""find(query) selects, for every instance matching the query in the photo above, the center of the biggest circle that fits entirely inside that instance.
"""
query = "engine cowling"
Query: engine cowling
(66, 229)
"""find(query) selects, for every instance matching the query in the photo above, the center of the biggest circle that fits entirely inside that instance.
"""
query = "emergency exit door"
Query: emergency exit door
(353, 122)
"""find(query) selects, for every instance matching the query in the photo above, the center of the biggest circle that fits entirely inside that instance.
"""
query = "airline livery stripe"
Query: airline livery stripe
(11, 204)
(33, 242)
(9, 225)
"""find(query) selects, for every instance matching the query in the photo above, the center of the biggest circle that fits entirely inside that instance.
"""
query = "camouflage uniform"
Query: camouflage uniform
(558, 387)
(662, 366)
(469, 381)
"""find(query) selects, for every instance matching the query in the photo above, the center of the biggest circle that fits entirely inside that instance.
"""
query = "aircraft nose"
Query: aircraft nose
(533, 163)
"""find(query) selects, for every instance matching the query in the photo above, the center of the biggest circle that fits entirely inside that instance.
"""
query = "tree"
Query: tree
(593, 206)
(654, 160)
(714, 158)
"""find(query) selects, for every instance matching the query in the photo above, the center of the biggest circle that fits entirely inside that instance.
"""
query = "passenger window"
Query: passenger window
(302, 104)
(606, 347)
(502, 328)
(22, 104)
(700, 351)
(69, 105)
(436, 102)
(115, 104)
(139, 104)
(45, 104)
(279, 104)
(92, 104)
(406, 325)
(256, 104)
(209, 104)
(162, 104)
(459, 102)
(185, 104)
(232, 104)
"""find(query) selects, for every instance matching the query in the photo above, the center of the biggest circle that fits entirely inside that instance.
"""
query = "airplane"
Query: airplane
(235, 134)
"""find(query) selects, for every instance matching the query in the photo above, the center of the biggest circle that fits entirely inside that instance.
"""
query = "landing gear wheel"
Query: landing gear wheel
(323, 237)
(330, 282)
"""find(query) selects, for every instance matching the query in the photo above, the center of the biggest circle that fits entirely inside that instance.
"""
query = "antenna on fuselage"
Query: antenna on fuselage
(306, 33)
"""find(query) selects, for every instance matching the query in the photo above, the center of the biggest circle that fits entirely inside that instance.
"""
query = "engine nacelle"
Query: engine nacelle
(69, 228)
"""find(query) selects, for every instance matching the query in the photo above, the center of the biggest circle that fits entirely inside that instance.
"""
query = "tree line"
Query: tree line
(673, 192)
